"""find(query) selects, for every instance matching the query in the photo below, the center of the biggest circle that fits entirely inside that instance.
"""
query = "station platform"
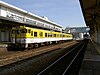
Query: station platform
(91, 60)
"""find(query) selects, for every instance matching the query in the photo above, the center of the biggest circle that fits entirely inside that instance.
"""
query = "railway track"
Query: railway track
(14, 56)
(35, 64)
(68, 64)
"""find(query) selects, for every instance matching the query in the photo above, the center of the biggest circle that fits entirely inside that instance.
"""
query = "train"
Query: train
(86, 36)
(28, 37)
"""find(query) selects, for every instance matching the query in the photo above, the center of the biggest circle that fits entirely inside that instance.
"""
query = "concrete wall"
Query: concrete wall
(96, 35)
(4, 36)
(0, 9)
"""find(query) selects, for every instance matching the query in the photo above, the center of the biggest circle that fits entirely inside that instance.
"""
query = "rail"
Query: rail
(68, 64)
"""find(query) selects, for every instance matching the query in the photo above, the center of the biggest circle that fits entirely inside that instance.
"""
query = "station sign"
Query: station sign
(22, 19)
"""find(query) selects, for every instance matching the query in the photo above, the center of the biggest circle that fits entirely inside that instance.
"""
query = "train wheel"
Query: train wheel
(47, 43)
(30, 46)
(22, 47)
(36, 45)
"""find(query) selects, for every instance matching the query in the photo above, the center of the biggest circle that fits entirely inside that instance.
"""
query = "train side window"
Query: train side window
(50, 35)
(24, 30)
(31, 33)
(46, 35)
(41, 34)
(63, 35)
(54, 35)
(35, 34)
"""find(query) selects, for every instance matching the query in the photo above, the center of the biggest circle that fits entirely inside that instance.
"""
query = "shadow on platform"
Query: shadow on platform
(91, 61)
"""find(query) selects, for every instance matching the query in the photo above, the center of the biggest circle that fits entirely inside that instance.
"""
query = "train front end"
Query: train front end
(18, 37)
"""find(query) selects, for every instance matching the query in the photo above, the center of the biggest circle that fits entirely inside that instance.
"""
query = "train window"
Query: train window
(35, 34)
(31, 33)
(46, 35)
(41, 33)
(24, 30)
(60, 35)
(63, 35)
(54, 35)
(50, 35)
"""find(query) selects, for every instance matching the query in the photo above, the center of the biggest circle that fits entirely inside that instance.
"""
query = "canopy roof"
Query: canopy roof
(91, 12)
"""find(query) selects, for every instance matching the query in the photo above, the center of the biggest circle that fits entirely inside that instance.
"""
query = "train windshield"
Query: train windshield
(23, 30)
(15, 31)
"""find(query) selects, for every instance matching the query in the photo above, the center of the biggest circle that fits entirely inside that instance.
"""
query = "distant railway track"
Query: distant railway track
(68, 64)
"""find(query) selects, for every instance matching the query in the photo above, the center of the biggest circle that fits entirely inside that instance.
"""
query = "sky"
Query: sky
(67, 13)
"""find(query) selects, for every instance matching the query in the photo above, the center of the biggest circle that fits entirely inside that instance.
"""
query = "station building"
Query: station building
(11, 16)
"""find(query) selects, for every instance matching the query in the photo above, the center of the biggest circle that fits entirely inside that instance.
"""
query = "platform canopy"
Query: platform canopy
(91, 12)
